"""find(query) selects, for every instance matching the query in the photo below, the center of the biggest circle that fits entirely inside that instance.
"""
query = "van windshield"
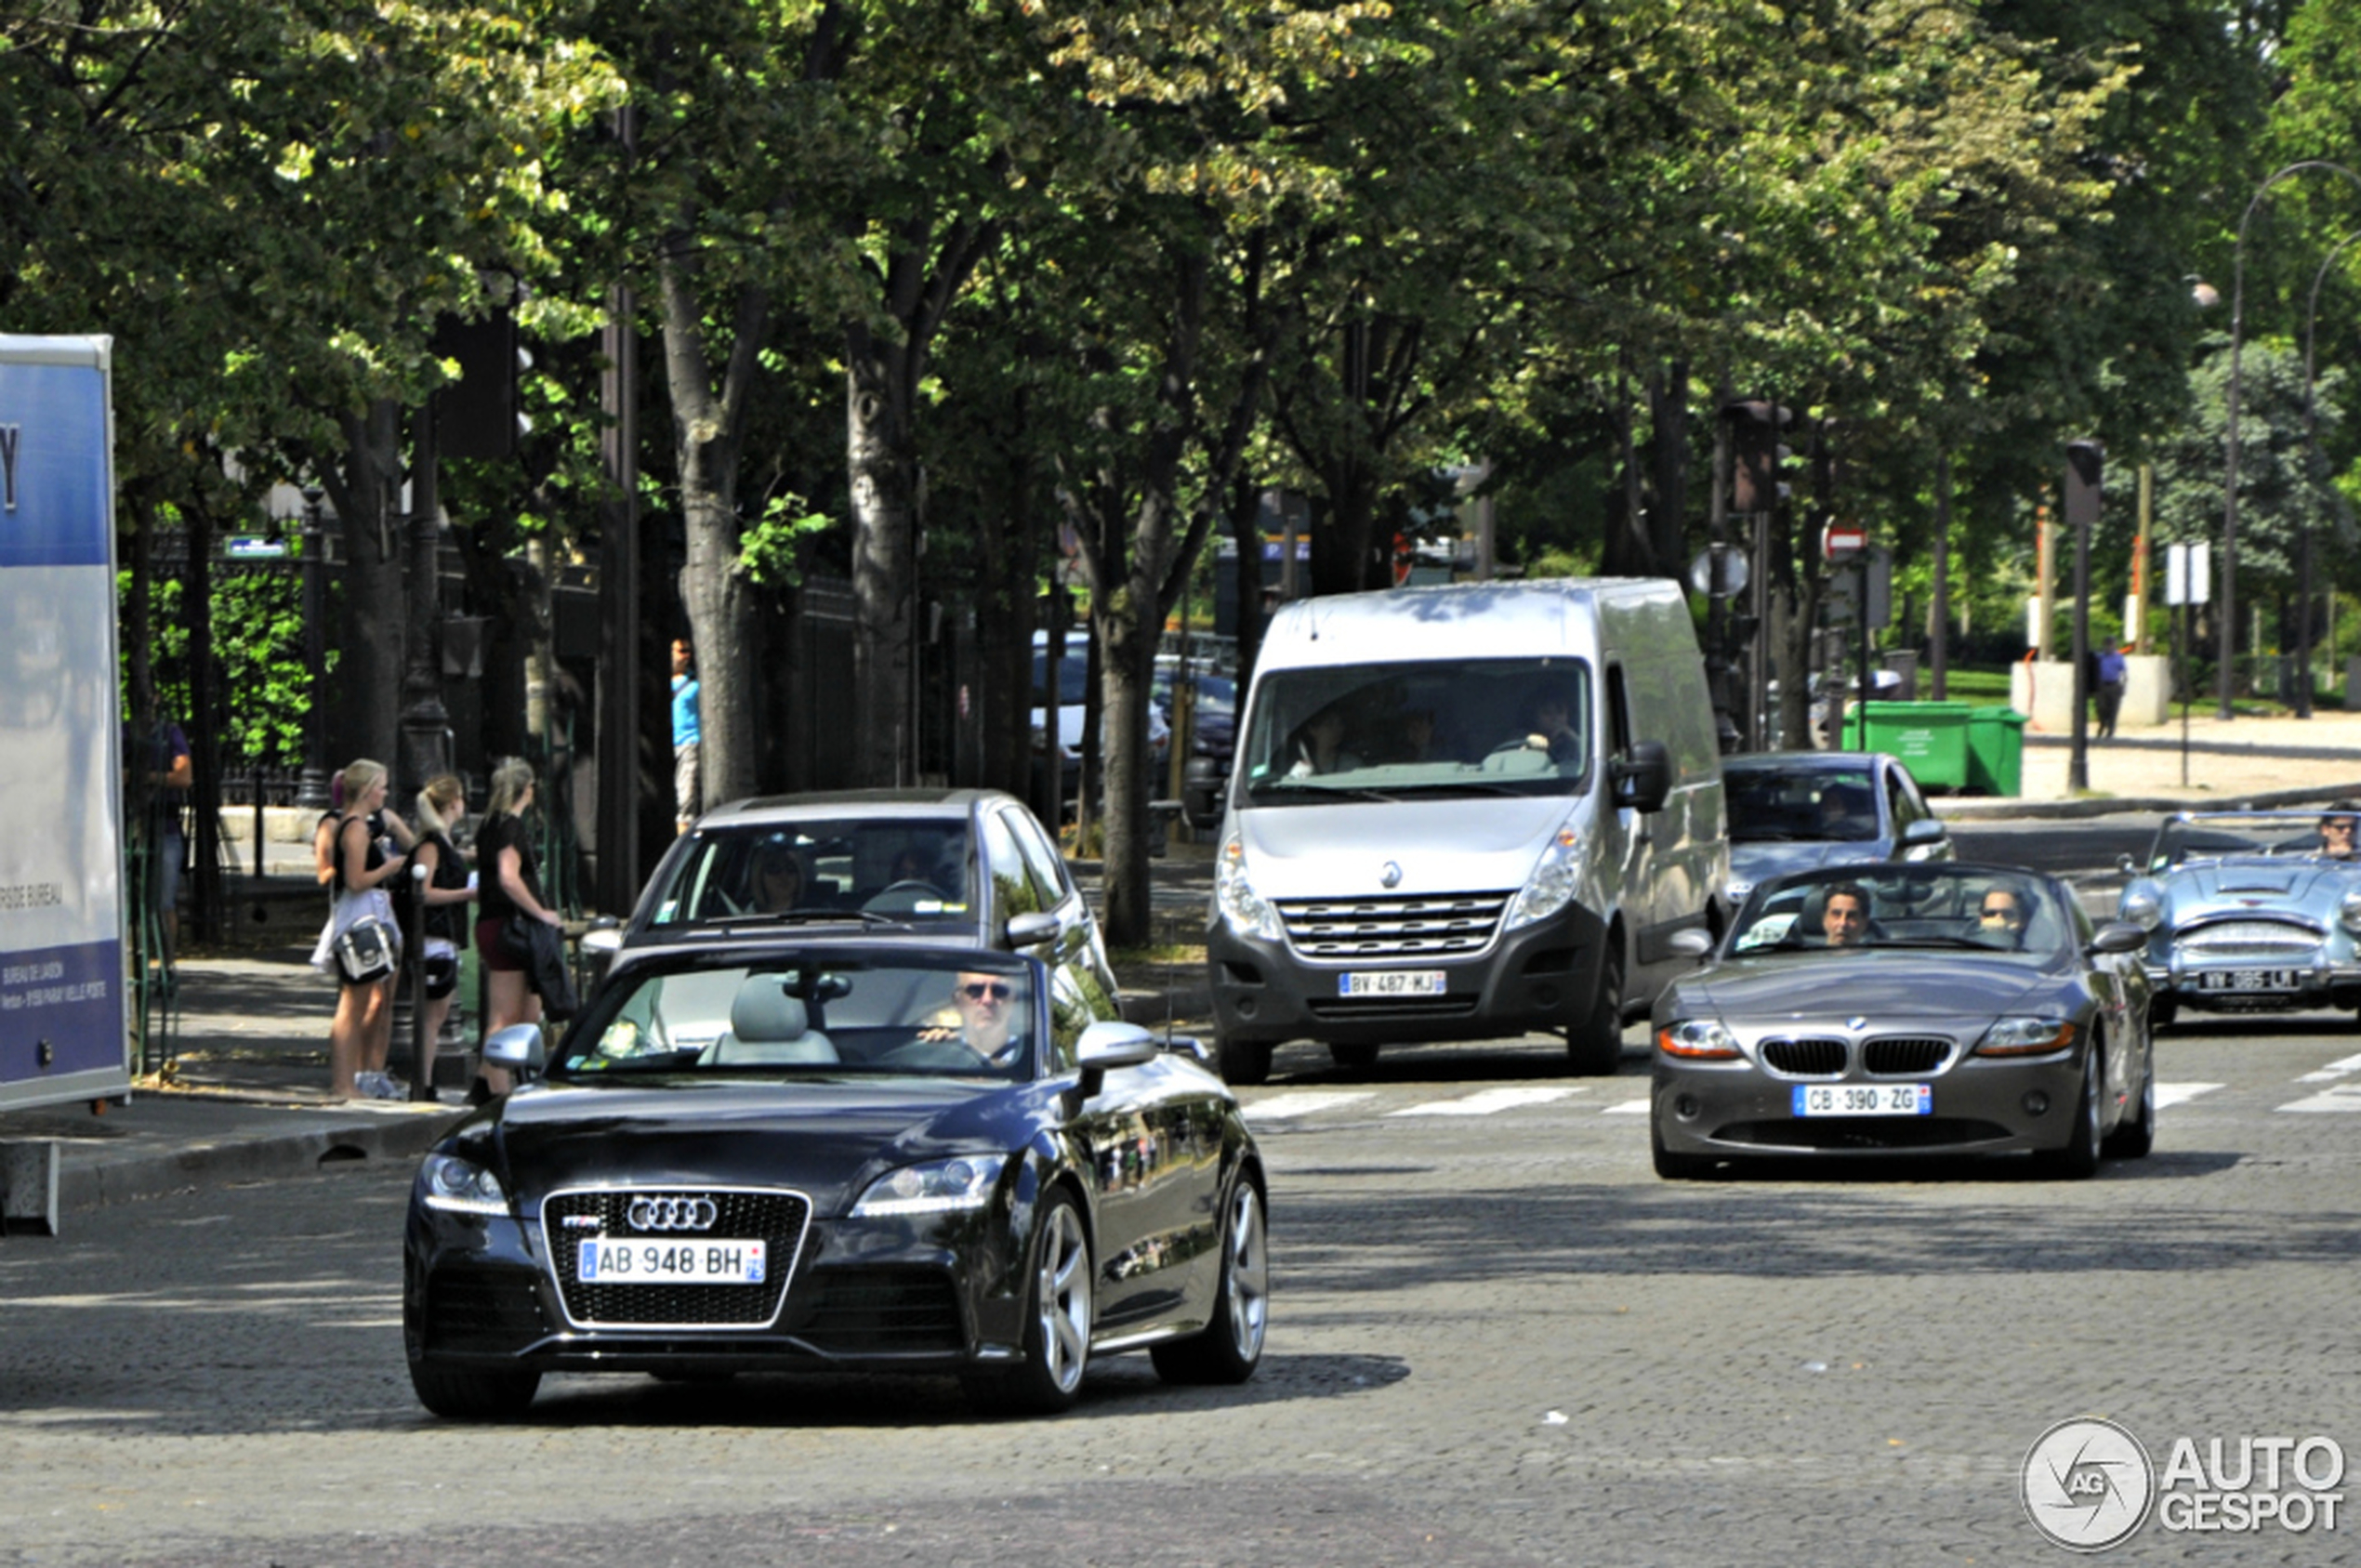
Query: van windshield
(1491, 726)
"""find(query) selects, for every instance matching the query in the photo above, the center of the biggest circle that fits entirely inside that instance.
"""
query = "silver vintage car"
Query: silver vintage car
(2250, 911)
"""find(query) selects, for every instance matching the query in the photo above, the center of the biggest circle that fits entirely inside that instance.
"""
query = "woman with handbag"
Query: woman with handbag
(450, 887)
(360, 943)
(511, 891)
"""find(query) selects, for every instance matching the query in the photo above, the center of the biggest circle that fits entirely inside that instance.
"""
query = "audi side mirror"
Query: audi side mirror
(519, 1049)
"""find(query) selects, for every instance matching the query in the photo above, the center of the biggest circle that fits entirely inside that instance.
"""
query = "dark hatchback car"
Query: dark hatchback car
(831, 1155)
(961, 865)
(1795, 810)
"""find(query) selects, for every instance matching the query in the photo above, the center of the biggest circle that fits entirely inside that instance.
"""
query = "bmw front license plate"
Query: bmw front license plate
(1391, 983)
(2247, 979)
(702, 1261)
(1865, 1099)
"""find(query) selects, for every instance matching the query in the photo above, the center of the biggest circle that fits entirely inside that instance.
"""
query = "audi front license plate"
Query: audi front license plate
(1391, 983)
(1865, 1099)
(702, 1261)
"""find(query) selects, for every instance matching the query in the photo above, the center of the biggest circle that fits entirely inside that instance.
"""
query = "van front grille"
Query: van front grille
(1424, 926)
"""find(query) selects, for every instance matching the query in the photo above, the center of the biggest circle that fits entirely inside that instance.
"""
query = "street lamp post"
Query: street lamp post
(2230, 489)
(311, 790)
(2311, 458)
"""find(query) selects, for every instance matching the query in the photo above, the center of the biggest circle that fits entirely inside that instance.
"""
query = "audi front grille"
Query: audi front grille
(767, 1215)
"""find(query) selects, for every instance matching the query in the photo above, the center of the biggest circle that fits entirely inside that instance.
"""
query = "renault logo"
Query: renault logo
(1390, 874)
(671, 1214)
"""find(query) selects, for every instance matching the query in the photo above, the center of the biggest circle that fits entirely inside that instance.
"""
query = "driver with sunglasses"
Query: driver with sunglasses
(990, 1011)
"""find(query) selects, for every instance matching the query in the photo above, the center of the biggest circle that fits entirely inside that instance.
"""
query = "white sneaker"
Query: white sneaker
(377, 1085)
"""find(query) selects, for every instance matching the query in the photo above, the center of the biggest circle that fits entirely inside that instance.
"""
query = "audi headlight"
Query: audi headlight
(1249, 913)
(1698, 1039)
(2142, 908)
(2349, 913)
(460, 1186)
(1555, 882)
(2025, 1036)
(936, 1187)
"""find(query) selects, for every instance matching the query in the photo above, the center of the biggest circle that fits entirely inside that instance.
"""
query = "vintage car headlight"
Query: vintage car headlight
(936, 1187)
(2349, 912)
(1555, 882)
(459, 1186)
(1249, 913)
(1698, 1039)
(2025, 1036)
(2142, 908)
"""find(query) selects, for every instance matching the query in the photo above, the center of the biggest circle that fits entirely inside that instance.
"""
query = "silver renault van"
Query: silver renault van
(1465, 812)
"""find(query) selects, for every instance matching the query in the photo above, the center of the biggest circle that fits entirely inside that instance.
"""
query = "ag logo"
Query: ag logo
(2087, 1484)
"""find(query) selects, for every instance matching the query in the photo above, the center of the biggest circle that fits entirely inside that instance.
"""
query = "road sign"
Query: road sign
(2188, 574)
(1843, 541)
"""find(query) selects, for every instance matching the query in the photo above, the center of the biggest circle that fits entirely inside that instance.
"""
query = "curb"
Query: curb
(2113, 804)
(98, 1178)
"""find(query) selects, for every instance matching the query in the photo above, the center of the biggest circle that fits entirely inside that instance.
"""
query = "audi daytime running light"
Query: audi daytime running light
(1248, 912)
(937, 1186)
(1698, 1039)
(2025, 1036)
(459, 1187)
(1555, 882)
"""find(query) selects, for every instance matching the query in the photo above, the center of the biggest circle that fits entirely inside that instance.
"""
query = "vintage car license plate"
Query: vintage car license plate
(1391, 983)
(1865, 1099)
(705, 1261)
(2249, 979)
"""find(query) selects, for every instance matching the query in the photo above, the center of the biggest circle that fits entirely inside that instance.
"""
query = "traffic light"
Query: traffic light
(1755, 454)
(1824, 472)
(2084, 460)
(476, 416)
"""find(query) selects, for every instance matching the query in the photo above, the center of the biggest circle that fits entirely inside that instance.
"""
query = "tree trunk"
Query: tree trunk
(708, 426)
(1667, 500)
(1939, 614)
(881, 469)
(365, 705)
(1246, 530)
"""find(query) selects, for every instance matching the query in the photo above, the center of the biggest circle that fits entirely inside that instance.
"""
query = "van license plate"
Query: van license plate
(1391, 983)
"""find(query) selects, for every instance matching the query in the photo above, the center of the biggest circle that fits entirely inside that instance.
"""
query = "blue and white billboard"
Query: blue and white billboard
(63, 1033)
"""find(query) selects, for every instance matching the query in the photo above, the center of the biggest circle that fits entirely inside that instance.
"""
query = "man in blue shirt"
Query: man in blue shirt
(2111, 674)
(684, 737)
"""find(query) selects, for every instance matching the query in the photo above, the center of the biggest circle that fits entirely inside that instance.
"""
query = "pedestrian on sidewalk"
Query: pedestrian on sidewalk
(367, 836)
(323, 838)
(687, 733)
(450, 888)
(510, 885)
(2111, 670)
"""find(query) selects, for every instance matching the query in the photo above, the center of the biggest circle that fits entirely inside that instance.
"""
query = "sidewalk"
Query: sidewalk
(248, 1101)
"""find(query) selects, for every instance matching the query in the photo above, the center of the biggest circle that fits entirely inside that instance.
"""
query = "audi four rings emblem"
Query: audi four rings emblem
(671, 1214)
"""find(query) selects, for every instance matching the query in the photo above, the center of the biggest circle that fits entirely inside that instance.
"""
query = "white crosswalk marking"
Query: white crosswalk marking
(2174, 1094)
(2343, 1097)
(1486, 1103)
(2333, 1070)
(1626, 1108)
(1303, 1103)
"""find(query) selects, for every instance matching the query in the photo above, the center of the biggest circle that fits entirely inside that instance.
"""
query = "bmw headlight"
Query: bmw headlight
(460, 1186)
(2349, 912)
(2141, 907)
(1698, 1039)
(1555, 881)
(2025, 1036)
(1249, 913)
(936, 1187)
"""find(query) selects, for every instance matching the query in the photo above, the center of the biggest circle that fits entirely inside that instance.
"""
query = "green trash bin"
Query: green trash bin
(1996, 750)
(1931, 738)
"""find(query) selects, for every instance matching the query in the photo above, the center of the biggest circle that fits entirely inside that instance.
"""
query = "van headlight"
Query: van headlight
(1249, 913)
(1555, 881)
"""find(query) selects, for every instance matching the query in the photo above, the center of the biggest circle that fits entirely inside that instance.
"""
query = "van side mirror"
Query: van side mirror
(1643, 780)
